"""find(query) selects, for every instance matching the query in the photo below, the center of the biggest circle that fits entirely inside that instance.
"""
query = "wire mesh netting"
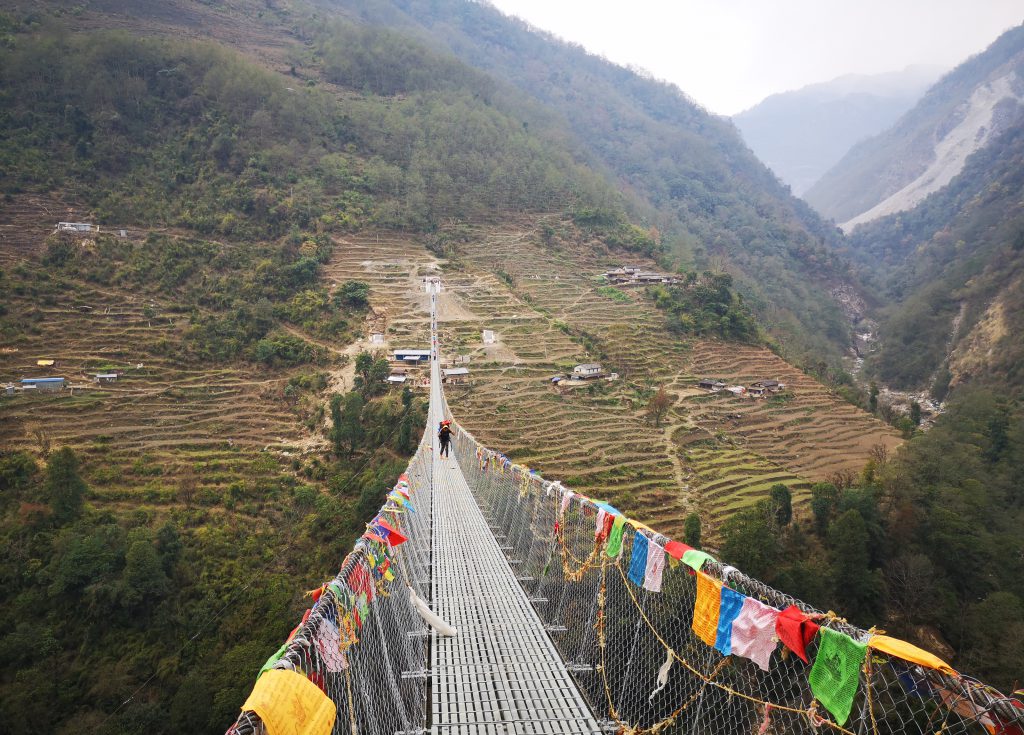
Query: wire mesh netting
(642, 642)
(616, 636)
(363, 642)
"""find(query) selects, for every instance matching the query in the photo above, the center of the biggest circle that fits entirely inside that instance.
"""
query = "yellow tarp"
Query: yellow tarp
(290, 704)
(45, 363)
(909, 652)
(705, 609)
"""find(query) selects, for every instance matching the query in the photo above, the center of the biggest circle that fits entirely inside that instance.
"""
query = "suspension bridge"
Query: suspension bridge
(485, 599)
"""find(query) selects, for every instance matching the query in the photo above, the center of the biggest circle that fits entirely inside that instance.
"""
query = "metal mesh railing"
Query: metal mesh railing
(615, 636)
(363, 643)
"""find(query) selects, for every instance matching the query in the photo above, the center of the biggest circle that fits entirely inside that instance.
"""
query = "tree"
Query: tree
(64, 487)
(857, 588)
(168, 543)
(782, 504)
(915, 413)
(750, 541)
(364, 361)
(873, 398)
(691, 530)
(658, 406)
(348, 429)
(144, 581)
(352, 293)
(824, 497)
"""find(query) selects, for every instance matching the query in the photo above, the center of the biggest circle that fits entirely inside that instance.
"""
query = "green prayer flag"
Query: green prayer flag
(695, 559)
(614, 547)
(835, 676)
(273, 659)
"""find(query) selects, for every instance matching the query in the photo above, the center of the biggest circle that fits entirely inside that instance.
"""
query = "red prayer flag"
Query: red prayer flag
(359, 581)
(796, 630)
(394, 537)
(676, 549)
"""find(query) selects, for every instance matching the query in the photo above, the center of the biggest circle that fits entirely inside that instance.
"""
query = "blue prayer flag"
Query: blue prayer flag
(638, 562)
(728, 611)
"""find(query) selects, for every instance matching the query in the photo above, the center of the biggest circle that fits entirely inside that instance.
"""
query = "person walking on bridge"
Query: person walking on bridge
(444, 435)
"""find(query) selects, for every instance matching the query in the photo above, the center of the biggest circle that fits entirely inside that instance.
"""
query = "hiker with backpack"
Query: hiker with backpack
(444, 435)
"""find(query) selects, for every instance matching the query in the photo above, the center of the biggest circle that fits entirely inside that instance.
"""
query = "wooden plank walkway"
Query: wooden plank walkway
(501, 673)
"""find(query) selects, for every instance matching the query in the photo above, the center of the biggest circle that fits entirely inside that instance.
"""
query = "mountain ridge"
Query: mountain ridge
(802, 133)
(874, 171)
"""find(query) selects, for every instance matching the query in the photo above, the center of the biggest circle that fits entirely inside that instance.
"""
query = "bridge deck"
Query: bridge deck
(501, 673)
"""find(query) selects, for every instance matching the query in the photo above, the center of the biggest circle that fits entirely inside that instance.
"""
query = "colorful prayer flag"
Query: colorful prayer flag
(796, 630)
(729, 610)
(389, 532)
(654, 568)
(566, 499)
(328, 643)
(676, 549)
(290, 704)
(695, 559)
(638, 560)
(614, 547)
(835, 676)
(753, 632)
(359, 581)
(275, 657)
(706, 607)
(908, 652)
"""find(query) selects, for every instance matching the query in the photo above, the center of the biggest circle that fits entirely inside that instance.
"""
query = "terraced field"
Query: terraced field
(179, 430)
(715, 454)
(537, 292)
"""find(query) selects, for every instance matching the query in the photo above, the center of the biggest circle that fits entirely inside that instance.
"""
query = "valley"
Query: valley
(275, 180)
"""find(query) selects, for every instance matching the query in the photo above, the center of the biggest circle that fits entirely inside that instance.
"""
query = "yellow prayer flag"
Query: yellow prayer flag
(909, 652)
(290, 704)
(705, 609)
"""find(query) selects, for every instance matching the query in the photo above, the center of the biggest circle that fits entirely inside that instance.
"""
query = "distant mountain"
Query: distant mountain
(929, 145)
(803, 133)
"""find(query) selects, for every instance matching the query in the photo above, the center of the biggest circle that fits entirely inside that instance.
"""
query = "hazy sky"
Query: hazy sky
(731, 54)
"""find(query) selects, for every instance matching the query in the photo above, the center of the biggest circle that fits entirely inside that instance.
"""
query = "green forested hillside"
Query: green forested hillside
(683, 170)
(955, 259)
(926, 543)
(192, 135)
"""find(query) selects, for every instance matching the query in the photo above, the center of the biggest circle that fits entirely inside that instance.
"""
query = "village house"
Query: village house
(43, 384)
(772, 386)
(712, 385)
(455, 375)
(77, 227)
(105, 378)
(629, 275)
(412, 356)
(586, 371)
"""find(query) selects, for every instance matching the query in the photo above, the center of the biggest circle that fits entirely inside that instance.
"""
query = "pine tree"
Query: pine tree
(64, 487)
